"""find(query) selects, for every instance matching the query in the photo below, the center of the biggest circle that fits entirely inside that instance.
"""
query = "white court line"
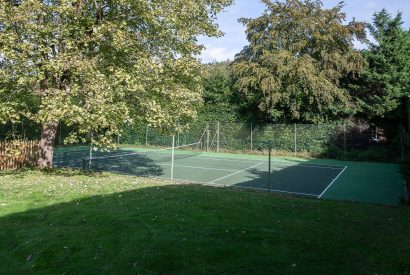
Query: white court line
(198, 167)
(309, 166)
(222, 159)
(338, 167)
(284, 164)
(195, 156)
(237, 172)
(273, 161)
(333, 181)
(279, 191)
(223, 185)
(230, 159)
(238, 186)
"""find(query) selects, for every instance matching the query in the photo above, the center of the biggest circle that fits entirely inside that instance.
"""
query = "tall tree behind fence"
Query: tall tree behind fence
(16, 154)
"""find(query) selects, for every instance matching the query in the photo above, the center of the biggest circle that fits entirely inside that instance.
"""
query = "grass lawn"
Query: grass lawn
(67, 223)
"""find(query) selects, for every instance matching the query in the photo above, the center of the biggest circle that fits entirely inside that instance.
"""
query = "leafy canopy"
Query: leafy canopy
(385, 84)
(219, 97)
(96, 65)
(297, 55)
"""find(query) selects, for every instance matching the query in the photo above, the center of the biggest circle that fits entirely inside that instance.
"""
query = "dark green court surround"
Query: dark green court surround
(329, 179)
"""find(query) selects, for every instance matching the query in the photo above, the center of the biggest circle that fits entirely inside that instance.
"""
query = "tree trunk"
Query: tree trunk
(48, 136)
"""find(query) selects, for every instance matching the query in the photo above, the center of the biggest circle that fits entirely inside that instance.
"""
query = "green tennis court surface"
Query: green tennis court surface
(318, 179)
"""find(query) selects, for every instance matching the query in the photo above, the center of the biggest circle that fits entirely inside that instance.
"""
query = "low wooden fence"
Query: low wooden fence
(16, 154)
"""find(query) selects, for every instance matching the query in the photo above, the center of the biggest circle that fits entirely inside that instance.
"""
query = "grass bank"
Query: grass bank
(66, 222)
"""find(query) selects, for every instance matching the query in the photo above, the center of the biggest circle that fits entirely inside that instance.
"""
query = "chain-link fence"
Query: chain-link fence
(335, 141)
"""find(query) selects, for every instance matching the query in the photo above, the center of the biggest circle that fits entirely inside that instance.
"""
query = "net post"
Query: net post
(172, 157)
(90, 157)
(251, 137)
(269, 165)
(217, 137)
(295, 140)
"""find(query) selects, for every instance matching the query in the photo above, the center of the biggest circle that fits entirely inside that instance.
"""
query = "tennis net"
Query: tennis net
(143, 157)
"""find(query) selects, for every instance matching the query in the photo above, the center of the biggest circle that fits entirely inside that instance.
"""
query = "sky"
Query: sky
(224, 48)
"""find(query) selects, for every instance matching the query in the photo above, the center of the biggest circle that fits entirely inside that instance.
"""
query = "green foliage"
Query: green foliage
(96, 65)
(220, 102)
(297, 55)
(385, 84)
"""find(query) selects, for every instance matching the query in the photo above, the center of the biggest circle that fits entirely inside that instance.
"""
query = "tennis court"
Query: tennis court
(238, 170)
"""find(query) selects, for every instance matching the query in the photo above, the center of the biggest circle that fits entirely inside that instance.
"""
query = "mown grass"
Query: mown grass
(64, 222)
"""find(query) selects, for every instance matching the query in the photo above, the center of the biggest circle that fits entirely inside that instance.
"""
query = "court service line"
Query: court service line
(199, 167)
(333, 181)
(227, 159)
(237, 172)
(283, 163)
(319, 166)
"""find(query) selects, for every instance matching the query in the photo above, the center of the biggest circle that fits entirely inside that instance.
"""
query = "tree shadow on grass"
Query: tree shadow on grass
(190, 229)
(158, 229)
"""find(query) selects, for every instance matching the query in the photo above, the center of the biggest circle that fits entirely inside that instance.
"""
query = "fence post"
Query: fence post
(23, 132)
(172, 157)
(401, 131)
(295, 139)
(269, 165)
(146, 135)
(345, 138)
(251, 137)
(177, 142)
(90, 153)
(217, 137)
(59, 135)
(207, 137)
(13, 134)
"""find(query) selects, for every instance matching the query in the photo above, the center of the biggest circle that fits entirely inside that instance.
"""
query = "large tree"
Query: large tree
(298, 53)
(96, 65)
(220, 103)
(385, 85)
